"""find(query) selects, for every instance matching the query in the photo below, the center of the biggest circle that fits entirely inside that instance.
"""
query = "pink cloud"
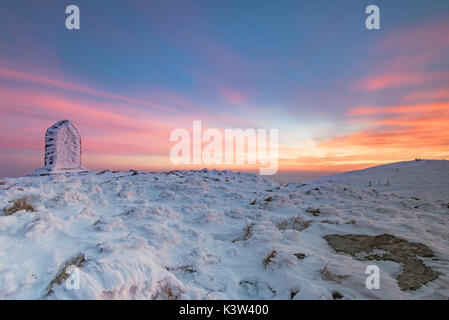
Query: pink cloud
(109, 129)
(40, 80)
(234, 96)
(410, 53)
(428, 36)
(400, 79)
(428, 95)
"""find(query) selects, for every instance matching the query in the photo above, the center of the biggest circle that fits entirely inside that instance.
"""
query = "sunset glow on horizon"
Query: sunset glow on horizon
(342, 97)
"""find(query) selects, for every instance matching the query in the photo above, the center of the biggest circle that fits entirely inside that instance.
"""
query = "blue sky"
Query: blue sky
(304, 67)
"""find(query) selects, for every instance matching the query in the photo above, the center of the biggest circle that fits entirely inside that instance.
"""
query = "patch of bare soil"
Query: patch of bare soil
(329, 276)
(293, 223)
(248, 232)
(269, 258)
(168, 290)
(185, 268)
(415, 272)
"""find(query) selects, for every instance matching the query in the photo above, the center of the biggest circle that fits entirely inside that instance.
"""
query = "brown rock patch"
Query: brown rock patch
(415, 272)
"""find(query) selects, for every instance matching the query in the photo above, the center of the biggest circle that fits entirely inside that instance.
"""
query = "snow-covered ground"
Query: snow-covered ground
(218, 234)
(423, 178)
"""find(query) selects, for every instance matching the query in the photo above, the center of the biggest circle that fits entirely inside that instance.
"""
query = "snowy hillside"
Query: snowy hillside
(423, 178)
(221, 235)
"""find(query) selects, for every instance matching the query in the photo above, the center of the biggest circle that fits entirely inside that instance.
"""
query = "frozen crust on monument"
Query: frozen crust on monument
(62, 149)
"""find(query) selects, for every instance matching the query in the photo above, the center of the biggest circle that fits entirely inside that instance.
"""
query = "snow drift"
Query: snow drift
(211, 235)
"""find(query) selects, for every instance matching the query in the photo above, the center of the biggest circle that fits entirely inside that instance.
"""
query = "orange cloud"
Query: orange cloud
(405, 109)
(397, 132)
(386, 134)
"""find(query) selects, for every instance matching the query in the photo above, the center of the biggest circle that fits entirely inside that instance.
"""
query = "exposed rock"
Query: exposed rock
(364, 247)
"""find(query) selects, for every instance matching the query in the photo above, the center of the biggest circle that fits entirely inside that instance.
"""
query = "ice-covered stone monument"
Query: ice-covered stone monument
(62, 149)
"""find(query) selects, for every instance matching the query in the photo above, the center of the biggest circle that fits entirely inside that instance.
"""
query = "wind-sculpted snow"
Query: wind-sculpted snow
(206, 235)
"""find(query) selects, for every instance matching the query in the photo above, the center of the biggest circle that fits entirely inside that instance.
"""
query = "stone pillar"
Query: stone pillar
(62, 149)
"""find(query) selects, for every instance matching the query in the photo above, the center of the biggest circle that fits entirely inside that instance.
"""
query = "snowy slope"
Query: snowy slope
(423, 178)
(207, 235)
